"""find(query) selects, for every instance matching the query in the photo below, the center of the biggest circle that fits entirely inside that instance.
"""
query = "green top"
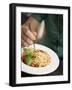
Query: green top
(53, 37)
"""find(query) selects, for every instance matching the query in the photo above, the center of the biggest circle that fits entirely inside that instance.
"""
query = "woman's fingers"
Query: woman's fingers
(28, 33)
(28, 40)
(24, 44)
(35, 34)
(27, 36)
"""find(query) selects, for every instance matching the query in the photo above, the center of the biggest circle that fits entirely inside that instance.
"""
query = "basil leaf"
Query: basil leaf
(28, 56)
(27, 51)
(28, 60)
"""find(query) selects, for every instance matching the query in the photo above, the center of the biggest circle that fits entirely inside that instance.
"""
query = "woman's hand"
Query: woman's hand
(27, 36)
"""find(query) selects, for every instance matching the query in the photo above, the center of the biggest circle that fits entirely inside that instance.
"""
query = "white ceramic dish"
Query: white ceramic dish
(43, 70)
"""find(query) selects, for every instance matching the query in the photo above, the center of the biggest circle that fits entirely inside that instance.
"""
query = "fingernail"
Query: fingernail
(31, 42)
(34, 38)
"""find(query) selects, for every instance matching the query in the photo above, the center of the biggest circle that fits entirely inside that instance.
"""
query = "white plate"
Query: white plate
(43, 70)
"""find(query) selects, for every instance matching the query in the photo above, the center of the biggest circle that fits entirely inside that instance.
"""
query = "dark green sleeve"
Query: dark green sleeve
(38, 17)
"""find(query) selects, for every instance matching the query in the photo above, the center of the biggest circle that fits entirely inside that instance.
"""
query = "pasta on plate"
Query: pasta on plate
(35, 58)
